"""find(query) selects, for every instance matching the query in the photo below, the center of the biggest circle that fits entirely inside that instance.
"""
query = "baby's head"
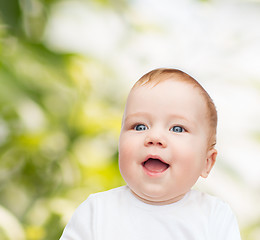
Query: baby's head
(168, 136)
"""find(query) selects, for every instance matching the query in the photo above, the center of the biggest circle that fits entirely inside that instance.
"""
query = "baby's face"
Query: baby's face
(163, 146)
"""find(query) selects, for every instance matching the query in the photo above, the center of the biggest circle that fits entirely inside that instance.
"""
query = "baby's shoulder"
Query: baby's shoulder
(114, 192)
(109, 196)
(208, 202)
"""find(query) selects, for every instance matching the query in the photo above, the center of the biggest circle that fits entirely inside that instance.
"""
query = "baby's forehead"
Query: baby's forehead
(174, 92)
(178, 83)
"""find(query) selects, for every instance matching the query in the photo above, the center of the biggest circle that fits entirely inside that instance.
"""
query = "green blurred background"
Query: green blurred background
(60, 131)
(61, 104)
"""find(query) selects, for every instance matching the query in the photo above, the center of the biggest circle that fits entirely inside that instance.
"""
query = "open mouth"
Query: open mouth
(155, 165)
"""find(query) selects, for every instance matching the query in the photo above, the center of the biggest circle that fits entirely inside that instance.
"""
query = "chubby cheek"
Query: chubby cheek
(124, 149)
(126, 156)
(196, 166)
(190, 160)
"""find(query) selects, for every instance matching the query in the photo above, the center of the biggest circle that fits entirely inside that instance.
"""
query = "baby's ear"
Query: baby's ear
(209, 162)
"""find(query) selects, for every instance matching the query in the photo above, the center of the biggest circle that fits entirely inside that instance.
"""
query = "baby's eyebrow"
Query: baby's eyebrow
(176, 116)
(136, 114)
(191, 121)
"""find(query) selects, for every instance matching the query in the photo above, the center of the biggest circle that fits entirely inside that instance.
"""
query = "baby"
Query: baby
(167, 142)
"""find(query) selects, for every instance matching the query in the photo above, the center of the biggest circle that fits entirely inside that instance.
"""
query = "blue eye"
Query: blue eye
(140, 127)
(177, 129)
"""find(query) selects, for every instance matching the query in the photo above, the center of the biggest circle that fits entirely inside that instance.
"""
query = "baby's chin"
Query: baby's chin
(157, 200)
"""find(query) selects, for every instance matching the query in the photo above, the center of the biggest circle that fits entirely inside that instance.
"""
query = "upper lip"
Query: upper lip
(155, 157)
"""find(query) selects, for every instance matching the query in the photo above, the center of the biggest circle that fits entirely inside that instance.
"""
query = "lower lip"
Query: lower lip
(154, 174)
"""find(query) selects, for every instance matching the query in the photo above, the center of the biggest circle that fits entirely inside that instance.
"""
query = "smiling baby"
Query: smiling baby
(167, 142)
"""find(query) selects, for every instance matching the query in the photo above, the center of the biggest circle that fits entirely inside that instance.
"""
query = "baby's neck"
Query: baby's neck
(159, 203)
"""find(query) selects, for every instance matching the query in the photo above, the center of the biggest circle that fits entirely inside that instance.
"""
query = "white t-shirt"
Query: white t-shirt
(118, 215)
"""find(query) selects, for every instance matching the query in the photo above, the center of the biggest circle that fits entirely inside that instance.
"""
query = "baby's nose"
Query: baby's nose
(155, 141)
